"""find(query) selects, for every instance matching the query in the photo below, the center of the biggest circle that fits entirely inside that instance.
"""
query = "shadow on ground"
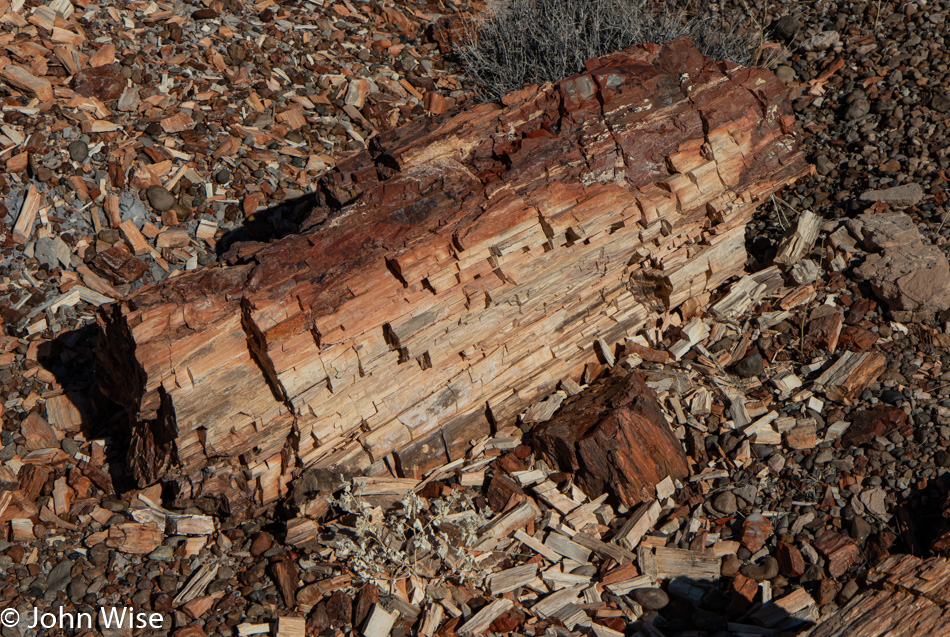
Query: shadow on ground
(71, 358)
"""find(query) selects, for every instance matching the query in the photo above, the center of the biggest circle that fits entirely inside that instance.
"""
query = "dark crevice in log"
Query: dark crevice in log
(257, 348)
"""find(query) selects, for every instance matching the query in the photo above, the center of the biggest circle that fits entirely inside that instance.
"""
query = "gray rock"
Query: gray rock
(162, 554)
(914, 281)
(650, 598)
(886, 230)
(160, 198)
(892, 396)
(904, 195)
(131, 208)
(787, 27)
(824, 165)
(941, 102)
(785, 74)
(821, 41)
(730, 565)
(52, 251)
(70, 446)
(752, 365)
(765, 569)
(78, 150)
(116, 506)
(860, 529)
(77, 589)
(59, 577)
(857, 109)
(726, 503)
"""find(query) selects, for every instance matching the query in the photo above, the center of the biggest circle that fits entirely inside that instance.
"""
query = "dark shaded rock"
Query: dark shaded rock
(725, 503)
(868, 423)
(78, 150)
(160, 198)
(765, 569)
(891, 396)
(786, 27)
(650, 598)
(751, 365)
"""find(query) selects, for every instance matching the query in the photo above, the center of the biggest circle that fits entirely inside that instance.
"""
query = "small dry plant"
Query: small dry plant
(425, 538)
(536, 41)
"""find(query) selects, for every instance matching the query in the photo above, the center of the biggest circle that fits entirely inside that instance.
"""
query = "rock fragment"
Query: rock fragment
(104, 83)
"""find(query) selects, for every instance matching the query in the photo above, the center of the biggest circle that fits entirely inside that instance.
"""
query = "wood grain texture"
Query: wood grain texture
(613, 439)
(452, 274)
(909, 596)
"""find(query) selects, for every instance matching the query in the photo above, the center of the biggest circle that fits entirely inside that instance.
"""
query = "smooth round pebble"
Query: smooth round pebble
(78, 150)
(650, 598)
(160, 198)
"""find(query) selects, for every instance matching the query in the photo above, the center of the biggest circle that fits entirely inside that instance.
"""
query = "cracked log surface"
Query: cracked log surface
(909, 596)
(451, 275)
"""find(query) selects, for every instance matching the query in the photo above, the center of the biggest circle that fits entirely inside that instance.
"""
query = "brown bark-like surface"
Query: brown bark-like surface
(908, 596)
(452, 274)
(614, 439)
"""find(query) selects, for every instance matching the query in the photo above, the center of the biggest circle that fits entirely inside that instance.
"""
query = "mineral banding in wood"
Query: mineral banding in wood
(453, 274)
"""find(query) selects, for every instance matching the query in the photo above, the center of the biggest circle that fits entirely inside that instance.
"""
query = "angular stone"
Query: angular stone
(914, 282)
(756, 530)
(877, 232)
(879, 421)
(104, 83)
(790, 560)
(903, 195)
(614, 440)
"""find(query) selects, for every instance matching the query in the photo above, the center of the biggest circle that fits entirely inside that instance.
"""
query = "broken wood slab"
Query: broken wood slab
(799, 240)
(614, 439)
(850, 374)
(452, 275)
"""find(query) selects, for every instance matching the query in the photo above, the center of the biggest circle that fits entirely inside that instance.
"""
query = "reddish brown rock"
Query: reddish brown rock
(613, 439)
(857, 339)
(283, 571)
(104, 83)
(119, 265)
(878, 421)
(756, 531)
(340, 609)
(743, 591)
(508, 623)
(839, 551)
(823, 329)
(790, 560)
(261, 543)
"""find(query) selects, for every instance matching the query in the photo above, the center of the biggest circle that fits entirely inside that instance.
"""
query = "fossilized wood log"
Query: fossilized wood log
(909, 596)
(453, 273)
(614, 439)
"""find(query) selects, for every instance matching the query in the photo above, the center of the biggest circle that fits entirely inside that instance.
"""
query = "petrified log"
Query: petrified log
(908, 596)
(614, 439)
(453, 273)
